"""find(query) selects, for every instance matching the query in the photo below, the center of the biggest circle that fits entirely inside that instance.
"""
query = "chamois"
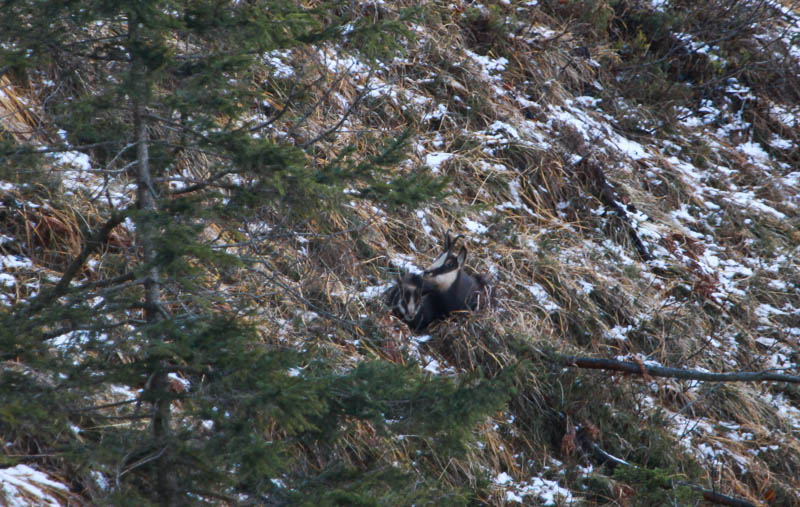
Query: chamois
(453, 289)
(443, 288)
(410, 302)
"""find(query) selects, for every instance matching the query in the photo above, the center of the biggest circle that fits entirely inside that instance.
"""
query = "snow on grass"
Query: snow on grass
(749, 201)
(423, 222)
(76, 159)
(777, 285)
(488, 66)
(545, 491)
(15, 262)
(587, 101)
(584, 287)
(593, 129)
(276, 60)
(542, 298)
(499, 135)
(765, 311)
(23, 486)
(754, 151)
(436, 159)
(630, 148)
(174, 377)
(439, 112)
(514, 187)
(780, 143)
(405, 262)
(618, 333)
(73, 341)
(433, 366)
(337, 61)
(620, 252)
(706, 439)
(77, 175)
(123, 391)
(474, 227)
(784, 408)
(429, 364)
(789, 116)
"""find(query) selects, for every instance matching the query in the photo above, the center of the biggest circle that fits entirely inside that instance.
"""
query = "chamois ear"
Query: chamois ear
(462, 256)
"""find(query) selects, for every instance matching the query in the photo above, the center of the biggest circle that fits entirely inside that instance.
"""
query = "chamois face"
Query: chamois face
(445, 269)
(409, 296)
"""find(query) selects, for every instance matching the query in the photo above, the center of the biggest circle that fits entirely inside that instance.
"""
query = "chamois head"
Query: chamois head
(407, 300)
(445, 269)
(452, 288)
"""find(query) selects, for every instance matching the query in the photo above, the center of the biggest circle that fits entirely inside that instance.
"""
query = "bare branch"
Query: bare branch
(203, 184)
(364, 92)
(95, 241)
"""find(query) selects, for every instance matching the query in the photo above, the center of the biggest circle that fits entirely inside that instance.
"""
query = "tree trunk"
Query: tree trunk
(146, 232)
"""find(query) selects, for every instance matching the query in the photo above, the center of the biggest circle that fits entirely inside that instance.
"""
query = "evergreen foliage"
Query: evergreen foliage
(203, 202)
(656, 487)
(211, 413)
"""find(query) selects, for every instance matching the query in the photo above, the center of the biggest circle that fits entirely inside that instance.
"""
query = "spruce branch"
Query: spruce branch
(96, 240)
(708, 494)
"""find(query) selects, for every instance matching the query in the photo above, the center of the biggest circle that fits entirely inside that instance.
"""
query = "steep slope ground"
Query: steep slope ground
(627, 174)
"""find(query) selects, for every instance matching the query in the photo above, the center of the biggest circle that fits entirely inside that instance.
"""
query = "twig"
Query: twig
(364, 92)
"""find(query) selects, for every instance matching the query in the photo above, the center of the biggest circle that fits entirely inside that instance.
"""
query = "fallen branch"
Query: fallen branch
(715, 496)
(661, 371)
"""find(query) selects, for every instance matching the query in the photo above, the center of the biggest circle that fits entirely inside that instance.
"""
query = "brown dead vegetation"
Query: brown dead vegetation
(561, 286)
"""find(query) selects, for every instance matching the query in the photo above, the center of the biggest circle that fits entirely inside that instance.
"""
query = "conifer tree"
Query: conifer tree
(171, 82)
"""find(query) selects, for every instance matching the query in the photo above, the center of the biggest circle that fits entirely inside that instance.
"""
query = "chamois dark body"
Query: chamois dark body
(463, 294)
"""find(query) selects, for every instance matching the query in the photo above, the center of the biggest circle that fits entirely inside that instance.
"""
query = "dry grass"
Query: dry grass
(17, 117)
(566, 272)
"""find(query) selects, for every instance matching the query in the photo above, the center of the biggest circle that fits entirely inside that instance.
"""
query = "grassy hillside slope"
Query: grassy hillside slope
(627, 173)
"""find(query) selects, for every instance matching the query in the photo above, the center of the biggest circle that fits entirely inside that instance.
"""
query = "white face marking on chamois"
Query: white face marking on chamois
(450, 265)
(439, 262)
(445, 280)
(411, 305)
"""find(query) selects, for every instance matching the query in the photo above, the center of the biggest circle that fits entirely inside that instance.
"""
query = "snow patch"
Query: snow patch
(23, 486)
(436, 159)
